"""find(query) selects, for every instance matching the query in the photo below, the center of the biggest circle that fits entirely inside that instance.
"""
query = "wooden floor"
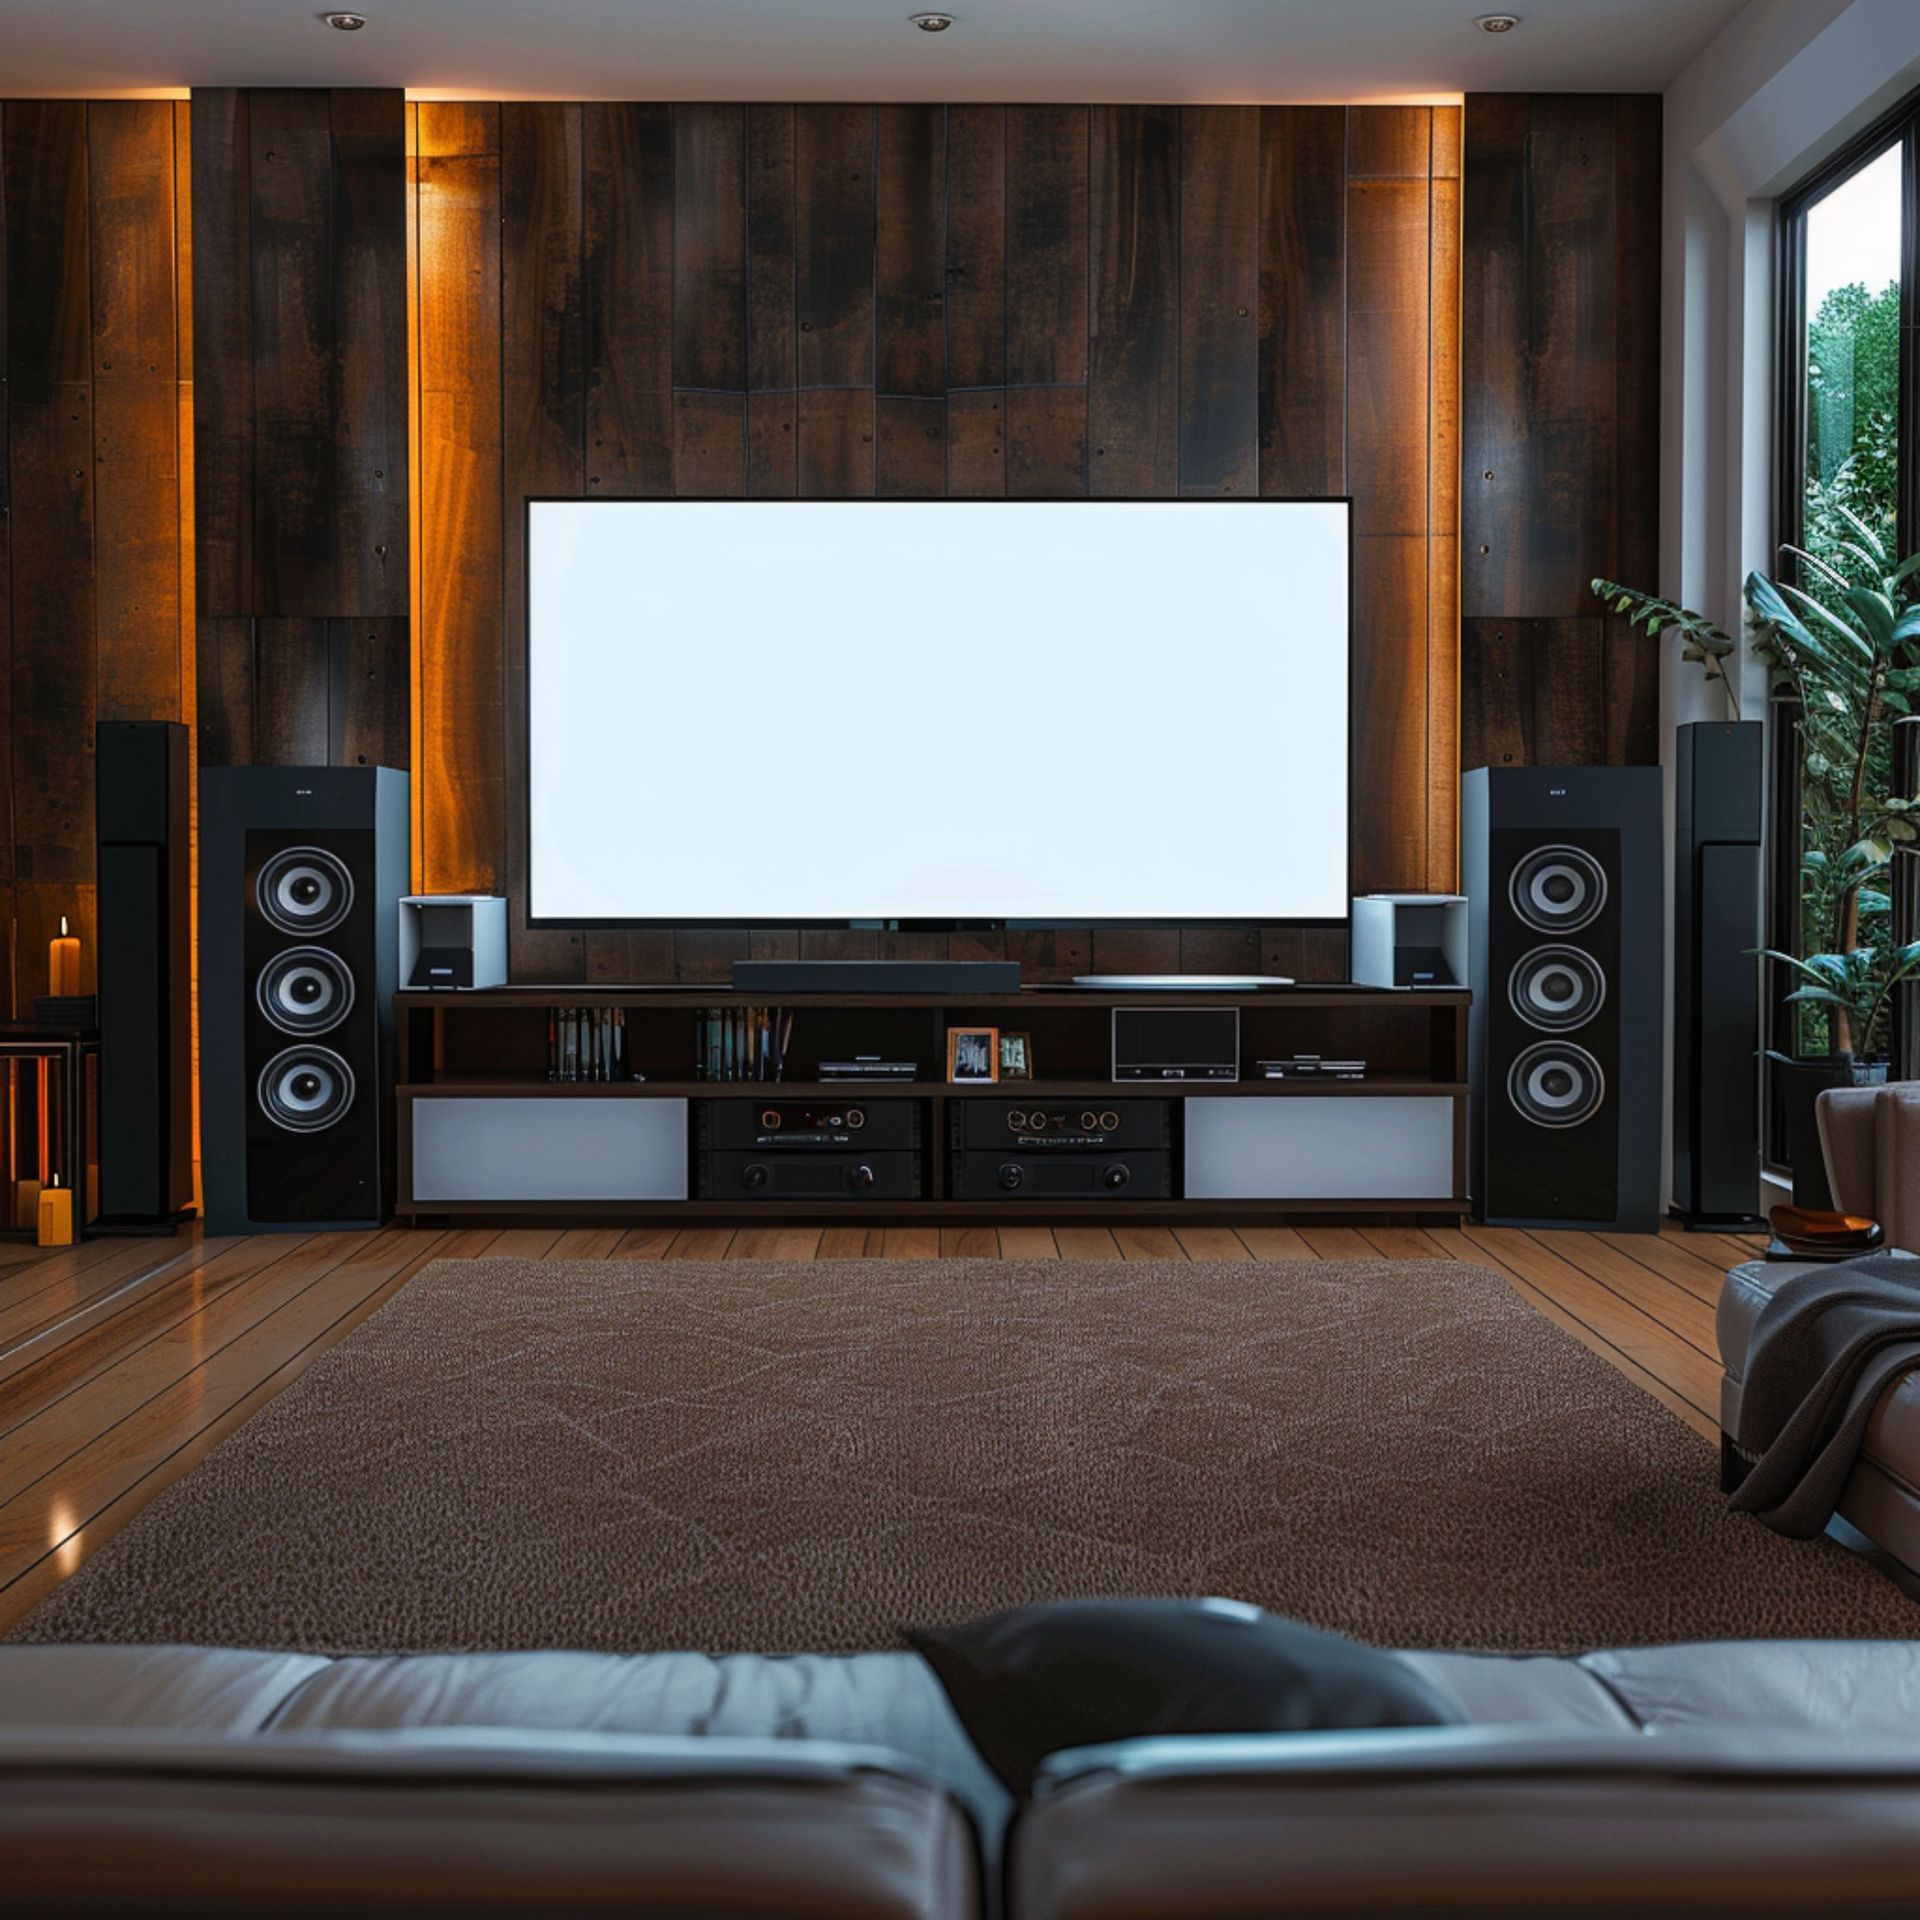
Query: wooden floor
(123, 1362)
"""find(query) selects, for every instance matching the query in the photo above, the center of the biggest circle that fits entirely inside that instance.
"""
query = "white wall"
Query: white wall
(1786, 84)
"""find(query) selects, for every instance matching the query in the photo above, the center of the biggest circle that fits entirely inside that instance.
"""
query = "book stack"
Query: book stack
(742, 1043)
(588, 1043)
(1310, 1066)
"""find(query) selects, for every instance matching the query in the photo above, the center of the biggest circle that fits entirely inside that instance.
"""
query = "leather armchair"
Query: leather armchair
(1870, 1139)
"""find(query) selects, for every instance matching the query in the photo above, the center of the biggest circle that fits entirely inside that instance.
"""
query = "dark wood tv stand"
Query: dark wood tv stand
(493, 1045)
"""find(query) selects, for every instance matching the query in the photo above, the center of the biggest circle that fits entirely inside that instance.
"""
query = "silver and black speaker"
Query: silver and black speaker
(301, 874)
(1565, 885)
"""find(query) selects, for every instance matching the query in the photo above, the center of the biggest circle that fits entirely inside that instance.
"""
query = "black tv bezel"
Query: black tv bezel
(539, 924)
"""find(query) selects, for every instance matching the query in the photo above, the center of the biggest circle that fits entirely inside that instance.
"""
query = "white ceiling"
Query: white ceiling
(859, 49)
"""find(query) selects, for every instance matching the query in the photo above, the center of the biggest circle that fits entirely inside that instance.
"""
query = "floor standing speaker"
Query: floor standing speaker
(1716, 979)
(144, 907)
(1565, 880)
(301, 874)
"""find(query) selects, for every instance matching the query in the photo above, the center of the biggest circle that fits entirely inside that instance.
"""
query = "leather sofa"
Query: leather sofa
(1738, 1778)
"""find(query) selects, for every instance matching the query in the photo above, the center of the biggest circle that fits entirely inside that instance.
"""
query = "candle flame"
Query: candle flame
(63, 926)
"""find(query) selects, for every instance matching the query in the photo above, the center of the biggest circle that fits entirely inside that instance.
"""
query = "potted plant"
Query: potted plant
(1858, 987)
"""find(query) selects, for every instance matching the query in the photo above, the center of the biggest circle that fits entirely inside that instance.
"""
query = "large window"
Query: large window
(1846, 498)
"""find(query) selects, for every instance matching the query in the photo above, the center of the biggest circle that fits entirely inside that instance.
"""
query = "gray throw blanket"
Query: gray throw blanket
(1824, 1349)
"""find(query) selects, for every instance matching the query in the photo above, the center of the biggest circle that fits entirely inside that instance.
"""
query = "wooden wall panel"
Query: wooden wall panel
(1560, 371)
(987, 301)
(302, 363)
(1303, 300)
(458, 621)
(92, 536)
(1219, 300)
(1133, 400)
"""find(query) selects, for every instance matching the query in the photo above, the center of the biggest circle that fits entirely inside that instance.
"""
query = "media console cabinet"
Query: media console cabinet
(485, 1133)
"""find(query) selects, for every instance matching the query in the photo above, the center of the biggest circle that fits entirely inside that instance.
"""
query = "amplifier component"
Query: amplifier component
(730, 1174)
(1062, 1150)
(1176, 1043)
(808, 1149)
(798, 1126)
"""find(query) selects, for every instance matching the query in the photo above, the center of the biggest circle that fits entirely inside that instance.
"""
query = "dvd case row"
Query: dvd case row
(588, 1043)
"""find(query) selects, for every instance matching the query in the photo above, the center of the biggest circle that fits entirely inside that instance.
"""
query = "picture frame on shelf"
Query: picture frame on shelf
(1016, 1056)
(973, 1056)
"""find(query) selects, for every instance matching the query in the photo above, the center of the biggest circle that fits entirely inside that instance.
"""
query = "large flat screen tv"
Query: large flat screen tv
(1068, 713)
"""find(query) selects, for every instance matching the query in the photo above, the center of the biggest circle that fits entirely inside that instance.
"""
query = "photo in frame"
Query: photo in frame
(973, 1055)
(1016, 1056)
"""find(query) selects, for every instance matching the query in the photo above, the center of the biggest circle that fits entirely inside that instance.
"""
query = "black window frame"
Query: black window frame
(1898, 127)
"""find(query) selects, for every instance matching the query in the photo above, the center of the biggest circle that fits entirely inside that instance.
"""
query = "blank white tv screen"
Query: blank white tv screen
(1058, 712)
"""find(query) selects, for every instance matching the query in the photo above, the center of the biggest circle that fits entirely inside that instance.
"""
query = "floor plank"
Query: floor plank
(1701, 1278)
(647, 1243)
(1085, 1243)
(1337, 1243)
(852, 1243)
(969, 1243)
(1667, 1301)
(1147, 1243)
(1211, 1243)
(1402, 1243)
(911, 1243)
(700, 1243)
(1275, 1243)
(587, 1243)
(775, 1243)
(1028, 1243)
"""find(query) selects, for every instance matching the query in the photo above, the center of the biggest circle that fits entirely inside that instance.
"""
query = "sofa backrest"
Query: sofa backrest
(474, 1823)
(1471, 1820)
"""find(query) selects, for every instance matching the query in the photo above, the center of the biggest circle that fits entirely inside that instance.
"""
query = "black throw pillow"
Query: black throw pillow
(1075, 1673)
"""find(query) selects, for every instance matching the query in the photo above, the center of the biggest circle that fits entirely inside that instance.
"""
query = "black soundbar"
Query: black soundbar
(777, 977)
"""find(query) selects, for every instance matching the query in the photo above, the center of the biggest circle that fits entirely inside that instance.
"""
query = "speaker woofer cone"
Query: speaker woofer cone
(305, 1089)
(1554, 989)
(305, 990)
(1556, 1084)
(305, 890)
(1558, 889)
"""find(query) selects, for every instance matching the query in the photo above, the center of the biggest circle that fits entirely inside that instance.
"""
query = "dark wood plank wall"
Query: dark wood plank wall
(1561, 377)
(301, 426)
(96, 587)
(849, 300)
(778, 300)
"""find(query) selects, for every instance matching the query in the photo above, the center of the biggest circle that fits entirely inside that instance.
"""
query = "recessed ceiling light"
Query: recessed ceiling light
(1497, 22)
(345, 22)
(932, 22)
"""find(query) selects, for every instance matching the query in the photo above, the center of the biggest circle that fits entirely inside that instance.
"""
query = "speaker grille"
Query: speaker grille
(306, 990)
(1558, 889)
(305, 891)
(1555, 989)
(305, 1089)
(1556, 1084)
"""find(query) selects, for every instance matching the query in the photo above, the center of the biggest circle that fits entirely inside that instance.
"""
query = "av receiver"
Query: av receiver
(1062, 1150)
(808, 1149)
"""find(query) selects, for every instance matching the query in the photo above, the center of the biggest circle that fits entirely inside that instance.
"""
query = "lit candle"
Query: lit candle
(63, 963)
(56, 1215)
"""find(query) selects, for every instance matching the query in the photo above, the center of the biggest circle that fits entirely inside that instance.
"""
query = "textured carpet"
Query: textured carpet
(783, 1456)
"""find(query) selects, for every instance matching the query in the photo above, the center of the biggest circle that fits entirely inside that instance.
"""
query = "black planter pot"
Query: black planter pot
(1802, 1082)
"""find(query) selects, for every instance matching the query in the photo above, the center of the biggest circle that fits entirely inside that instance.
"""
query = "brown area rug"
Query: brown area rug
(784, 1456)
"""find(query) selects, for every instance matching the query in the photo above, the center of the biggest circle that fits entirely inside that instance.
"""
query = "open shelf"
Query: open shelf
(492, 1046)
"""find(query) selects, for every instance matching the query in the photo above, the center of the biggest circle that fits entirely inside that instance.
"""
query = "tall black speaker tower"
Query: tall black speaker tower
(1716, 979)
(1565, 883)
(145, 915)
(301, 874)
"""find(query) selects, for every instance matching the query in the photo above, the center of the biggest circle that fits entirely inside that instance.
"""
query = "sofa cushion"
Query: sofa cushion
(1866, 1687)
(1069, 1673)
(183, 1689)
(1522, 1689)
(475, 1823)
(888, 1700)
(1470, 1820)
